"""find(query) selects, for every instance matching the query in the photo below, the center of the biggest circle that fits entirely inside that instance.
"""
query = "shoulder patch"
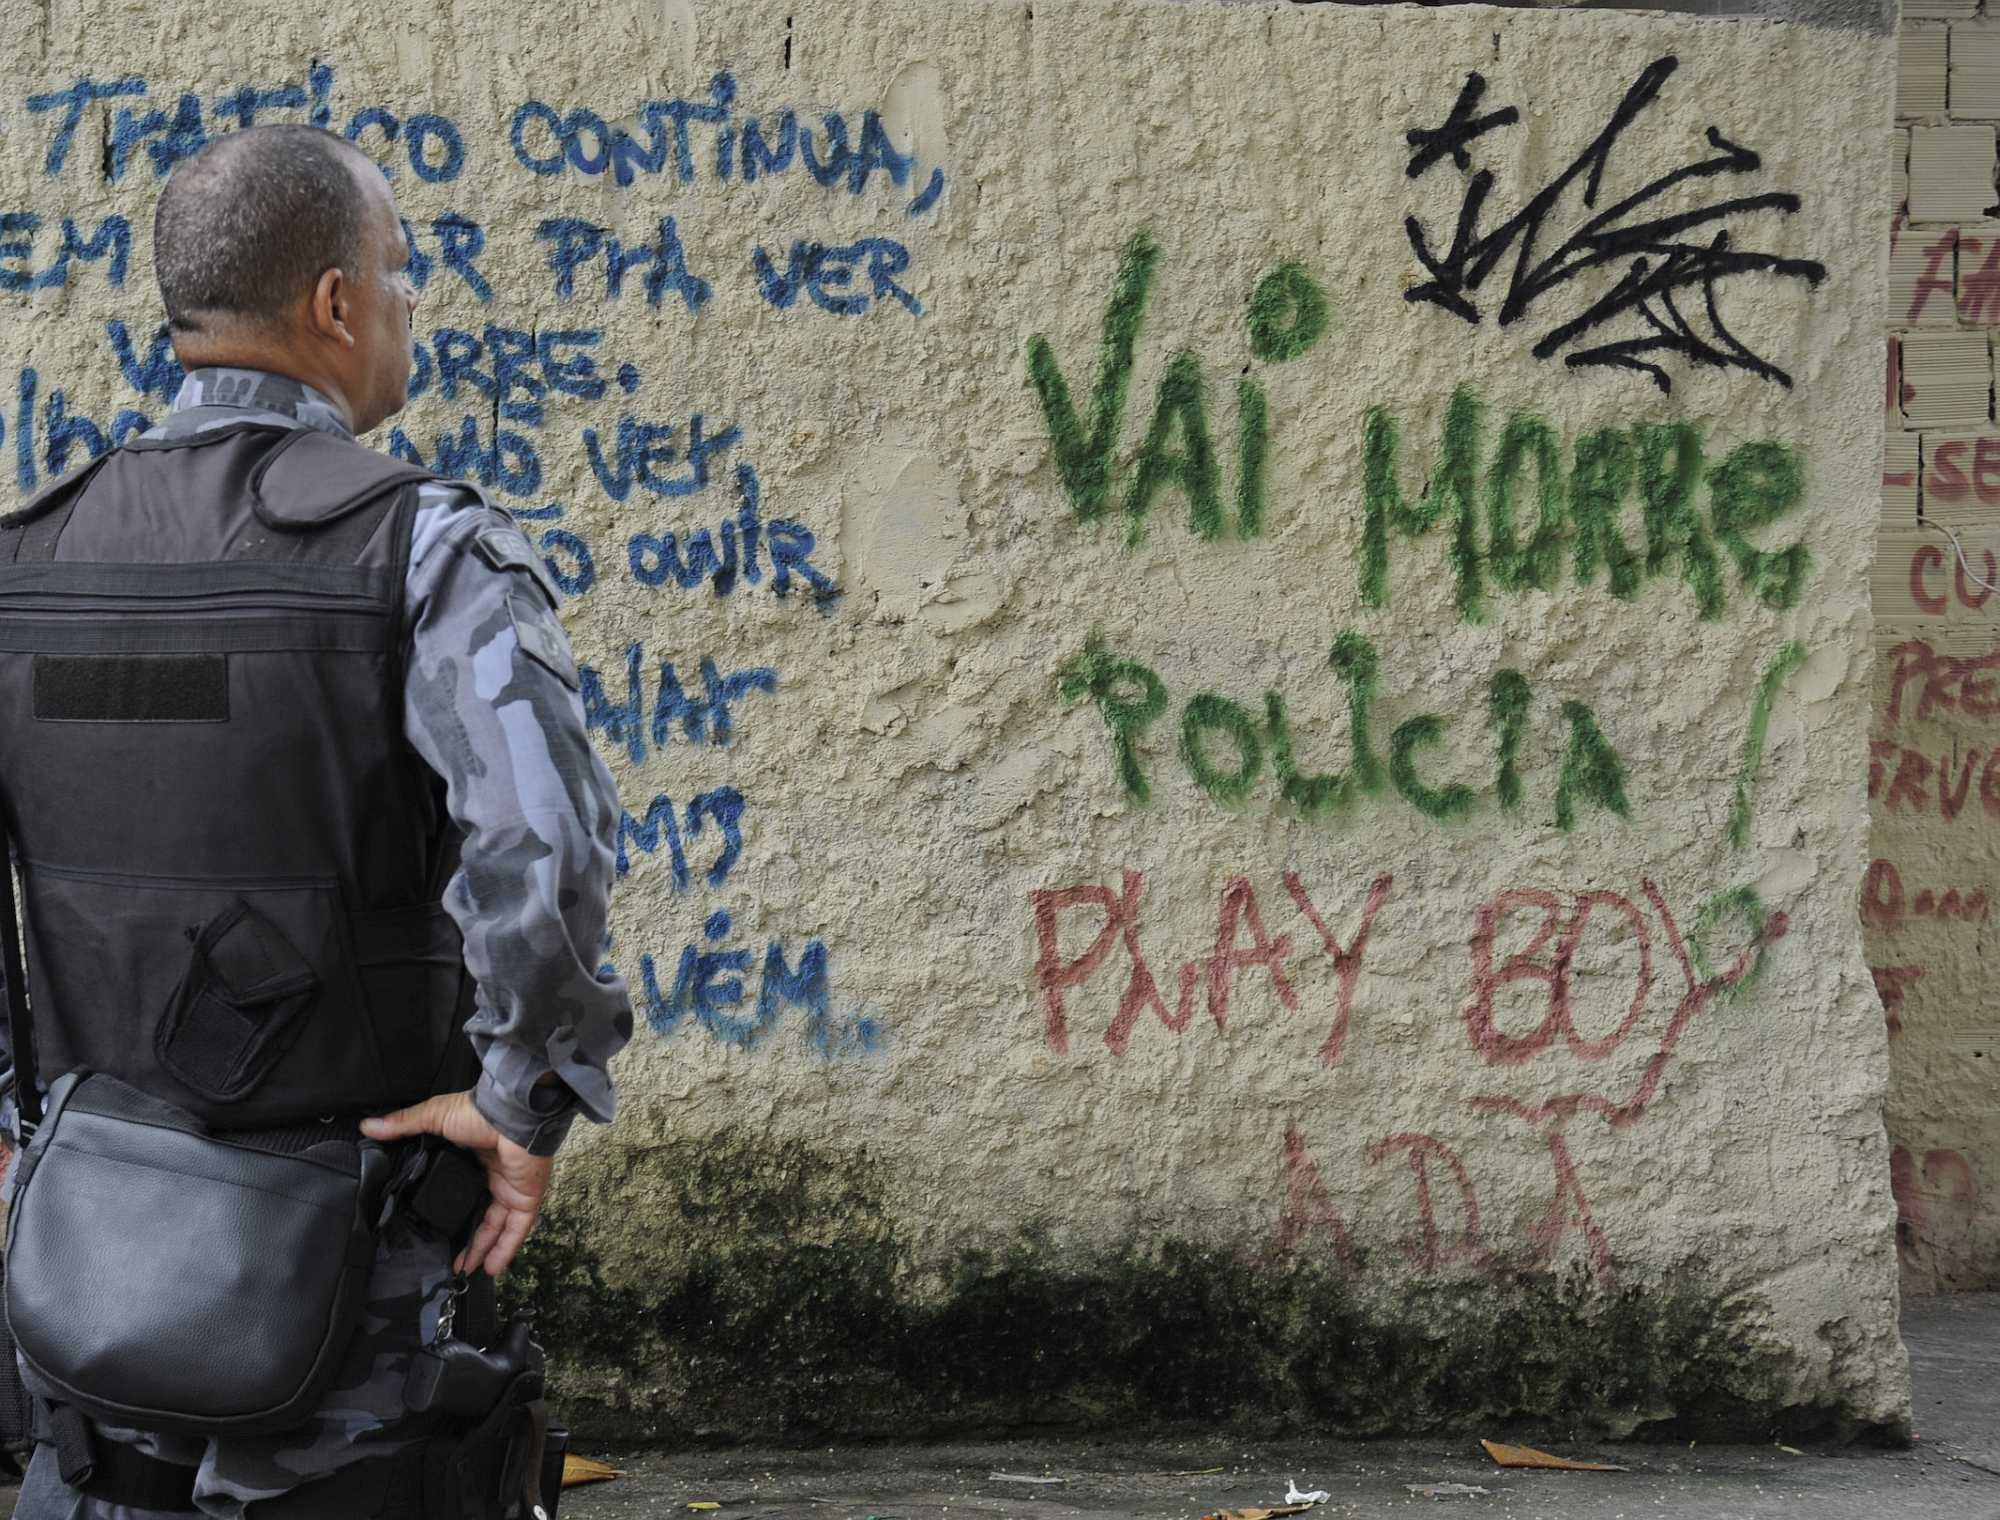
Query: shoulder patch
(507, 548)
(541, 637)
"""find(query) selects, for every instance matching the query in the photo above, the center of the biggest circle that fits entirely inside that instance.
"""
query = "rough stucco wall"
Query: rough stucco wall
(1926, 902)
(1567, 1103)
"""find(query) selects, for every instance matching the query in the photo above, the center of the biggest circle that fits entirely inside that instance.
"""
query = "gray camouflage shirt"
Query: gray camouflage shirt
(537, 806)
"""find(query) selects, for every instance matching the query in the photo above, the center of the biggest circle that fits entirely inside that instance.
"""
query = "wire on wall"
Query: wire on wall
(1964, 565)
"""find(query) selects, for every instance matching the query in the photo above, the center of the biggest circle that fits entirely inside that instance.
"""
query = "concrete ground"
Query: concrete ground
(1952, 1473)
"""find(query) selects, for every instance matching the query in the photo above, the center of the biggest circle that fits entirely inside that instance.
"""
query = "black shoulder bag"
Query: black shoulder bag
(163, 1276)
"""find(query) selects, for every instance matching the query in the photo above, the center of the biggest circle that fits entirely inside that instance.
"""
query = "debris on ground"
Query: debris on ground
(1198, 1472)
(1527, 1456)
(1293, 1496)
(1258, 1514)
(1022, 1478)
(585, 1470)
(1446, 1490)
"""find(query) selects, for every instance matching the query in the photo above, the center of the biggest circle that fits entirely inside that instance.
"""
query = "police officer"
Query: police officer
(284, 269)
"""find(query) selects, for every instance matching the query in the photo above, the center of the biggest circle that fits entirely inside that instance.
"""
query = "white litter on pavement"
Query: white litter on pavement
(1293, 1496)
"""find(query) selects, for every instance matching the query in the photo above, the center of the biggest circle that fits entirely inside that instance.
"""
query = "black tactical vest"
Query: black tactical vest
(231, 858)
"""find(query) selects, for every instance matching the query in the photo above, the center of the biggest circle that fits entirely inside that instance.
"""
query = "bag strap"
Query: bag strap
(20, 1028)
(64, 1428)
(125, 1476)
(111, 1471)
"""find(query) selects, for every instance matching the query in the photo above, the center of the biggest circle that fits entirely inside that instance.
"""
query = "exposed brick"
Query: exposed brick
(1894, 391)
(1920, 72)
(1975, 70)
(1947, 379)
(1922, 275)
(1960, 469)
(1899, 476)
(1951, 173)
(1979, 273)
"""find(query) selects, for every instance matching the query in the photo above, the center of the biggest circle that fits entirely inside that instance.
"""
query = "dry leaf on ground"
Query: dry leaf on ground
(1258, 1514)
(1527, 1456)
(584, 1470)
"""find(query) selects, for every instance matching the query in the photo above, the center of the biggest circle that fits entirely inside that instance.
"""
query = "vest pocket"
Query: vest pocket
(238, 1006)
(116, 964)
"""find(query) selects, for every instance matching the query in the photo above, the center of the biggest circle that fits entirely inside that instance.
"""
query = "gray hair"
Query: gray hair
(248, 225)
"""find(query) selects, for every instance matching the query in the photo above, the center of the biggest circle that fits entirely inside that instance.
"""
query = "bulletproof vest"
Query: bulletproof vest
(231, 859)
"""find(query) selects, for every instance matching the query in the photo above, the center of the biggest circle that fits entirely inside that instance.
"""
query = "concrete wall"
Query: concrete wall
(1926, 900)
(1220, 822)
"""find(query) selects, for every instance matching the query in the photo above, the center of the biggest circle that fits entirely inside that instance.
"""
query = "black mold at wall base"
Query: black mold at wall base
(784, 1309)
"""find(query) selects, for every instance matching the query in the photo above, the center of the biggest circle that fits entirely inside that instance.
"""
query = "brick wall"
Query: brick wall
(1935, 774)
(1944, 262)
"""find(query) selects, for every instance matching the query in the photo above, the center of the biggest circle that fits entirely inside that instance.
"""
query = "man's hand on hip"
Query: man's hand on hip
(515, 1180)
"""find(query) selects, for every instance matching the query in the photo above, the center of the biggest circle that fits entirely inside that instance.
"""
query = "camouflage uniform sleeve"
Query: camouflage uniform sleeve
(491, 704)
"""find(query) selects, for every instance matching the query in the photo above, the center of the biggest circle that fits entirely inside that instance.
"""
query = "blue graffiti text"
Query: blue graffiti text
(703, 719)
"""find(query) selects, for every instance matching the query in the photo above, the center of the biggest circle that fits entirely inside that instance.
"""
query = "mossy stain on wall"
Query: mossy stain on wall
(780, 1302)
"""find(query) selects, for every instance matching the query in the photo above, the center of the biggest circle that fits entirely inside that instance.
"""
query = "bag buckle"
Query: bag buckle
(449, 1315)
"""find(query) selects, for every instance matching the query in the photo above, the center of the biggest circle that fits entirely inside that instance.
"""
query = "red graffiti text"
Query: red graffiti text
(1548, 959)
(1214, 975)
(1887, 906)
(1946, 686)
(1892, 986)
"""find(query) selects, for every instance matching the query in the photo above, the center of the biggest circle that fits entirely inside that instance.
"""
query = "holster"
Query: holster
(497, 1453)
(443, 1191)
(503, 1463)
(485, 1474)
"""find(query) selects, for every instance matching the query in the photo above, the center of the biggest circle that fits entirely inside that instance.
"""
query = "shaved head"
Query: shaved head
(245, 227)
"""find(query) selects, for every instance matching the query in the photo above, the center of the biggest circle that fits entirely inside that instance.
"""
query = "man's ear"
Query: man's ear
(327, 309)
